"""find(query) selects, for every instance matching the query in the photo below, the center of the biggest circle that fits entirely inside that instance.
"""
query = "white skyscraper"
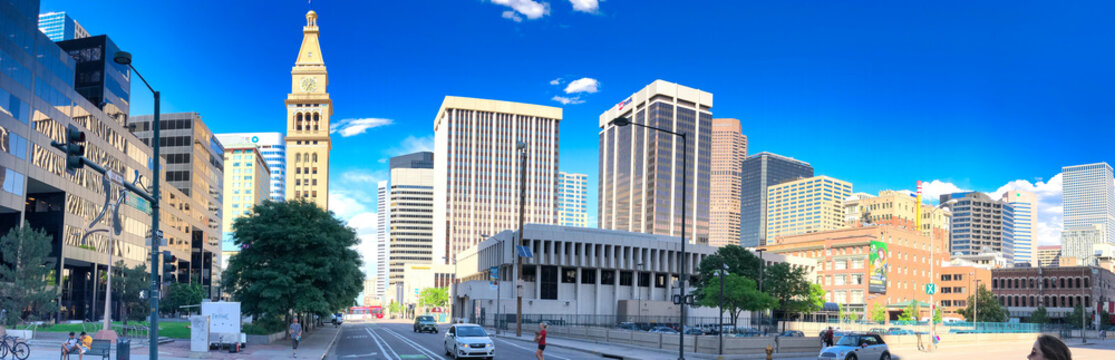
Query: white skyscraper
(410, 240)
(1089, 197)
(272, 146)
(572, 192)
(1025, 206)
(383, 257)
(476, 169)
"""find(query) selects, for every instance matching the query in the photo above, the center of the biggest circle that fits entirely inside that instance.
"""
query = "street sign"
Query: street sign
(930, 289)
(116, 178)
(495, 272)
(415, 291)
(524, 251)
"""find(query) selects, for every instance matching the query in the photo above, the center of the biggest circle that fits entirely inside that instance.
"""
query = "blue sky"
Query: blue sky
(972, 95)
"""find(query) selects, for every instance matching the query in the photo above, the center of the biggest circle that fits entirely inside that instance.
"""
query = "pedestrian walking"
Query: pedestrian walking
(540, 338)
(1049, 347)
(828, 337)
(295, 335)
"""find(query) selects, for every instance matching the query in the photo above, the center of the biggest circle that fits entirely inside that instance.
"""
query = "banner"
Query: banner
(877, 268)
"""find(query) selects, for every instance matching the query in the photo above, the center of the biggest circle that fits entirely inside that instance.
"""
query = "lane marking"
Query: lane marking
(381, 344)
(508, 342)
(418, 346)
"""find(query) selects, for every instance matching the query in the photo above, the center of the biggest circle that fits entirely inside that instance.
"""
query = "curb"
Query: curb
(619, 354)
(332, 343)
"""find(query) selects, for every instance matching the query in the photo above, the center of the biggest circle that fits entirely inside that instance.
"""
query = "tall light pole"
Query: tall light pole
(932, 265)
(623, 121)
(125, 58)
(522, 147)
(638, 296)
(762, 264)
(720, 325)
(975, 308)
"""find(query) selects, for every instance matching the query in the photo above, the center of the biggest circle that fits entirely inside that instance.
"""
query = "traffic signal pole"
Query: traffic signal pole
(156, 236)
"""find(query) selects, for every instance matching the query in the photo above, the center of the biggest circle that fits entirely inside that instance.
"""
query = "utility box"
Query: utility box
(224, 322)
(199, 333)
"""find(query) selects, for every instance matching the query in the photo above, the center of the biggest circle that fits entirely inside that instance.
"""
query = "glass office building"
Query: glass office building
(272, 147)
(59, 26)
(1089, 197)
(760, 171)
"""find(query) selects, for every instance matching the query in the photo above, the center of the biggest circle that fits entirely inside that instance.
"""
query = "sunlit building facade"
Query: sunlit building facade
(572, 192)
(759, 172)
(272, 146)
(729, 149)
(1089, 197)
(806, 206)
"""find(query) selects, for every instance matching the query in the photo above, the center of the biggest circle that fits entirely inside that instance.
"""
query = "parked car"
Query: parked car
(627, 325)
(899, 331)
(792, 333)
(877, 331)
(857, 346)
(468, 340)
(694, 331)
(425, 323)
(663, 330)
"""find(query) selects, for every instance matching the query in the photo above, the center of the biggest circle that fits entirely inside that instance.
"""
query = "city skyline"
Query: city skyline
(839, 97)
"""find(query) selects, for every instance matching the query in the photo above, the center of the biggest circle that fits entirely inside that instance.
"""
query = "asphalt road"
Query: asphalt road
(396, 341)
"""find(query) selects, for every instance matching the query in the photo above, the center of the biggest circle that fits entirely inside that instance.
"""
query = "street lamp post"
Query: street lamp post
(720, 325)
(522, 147)
(623, 121)
(125, 58)
(762, 264)
(975, 308)
(638, 296)
(932, 268)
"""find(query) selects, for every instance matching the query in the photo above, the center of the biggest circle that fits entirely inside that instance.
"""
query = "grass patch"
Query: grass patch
(174, 330)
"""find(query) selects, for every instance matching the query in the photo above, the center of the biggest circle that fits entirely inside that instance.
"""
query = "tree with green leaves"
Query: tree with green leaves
(434, 297)
(1077, 318)
(394, 308)
(989, 308)
(878, 313)
(910, 313)
(739, 261)
(794, 292)
(181, 294)
(740, 293)
(1039, 316)
(127, 286)
(295, 258)
(26, 276)
(937, 316)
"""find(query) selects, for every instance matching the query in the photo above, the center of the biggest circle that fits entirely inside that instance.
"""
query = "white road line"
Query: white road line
(508, 342)
(417, 345)
(381, 344)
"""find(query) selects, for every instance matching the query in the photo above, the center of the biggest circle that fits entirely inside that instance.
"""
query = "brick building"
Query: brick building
(1022, 290)
(957, 284)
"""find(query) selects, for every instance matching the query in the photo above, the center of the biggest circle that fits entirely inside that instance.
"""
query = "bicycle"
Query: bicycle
(17, 347)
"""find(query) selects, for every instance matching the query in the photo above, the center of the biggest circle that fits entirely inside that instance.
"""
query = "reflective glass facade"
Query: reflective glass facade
(1089, 197)
(760, 171)
(59, 26)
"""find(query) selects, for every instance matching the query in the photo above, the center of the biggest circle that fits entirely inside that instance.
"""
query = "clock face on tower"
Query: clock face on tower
(309, 84)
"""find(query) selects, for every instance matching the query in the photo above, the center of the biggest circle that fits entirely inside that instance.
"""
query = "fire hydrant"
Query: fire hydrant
(770, 352)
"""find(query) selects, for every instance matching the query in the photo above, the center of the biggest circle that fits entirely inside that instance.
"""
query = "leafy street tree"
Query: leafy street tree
(910, 313)
(878, 313)
(294, 258)
(26, 275)
(127, 285)
(794, 292)
(181, 294)
(739, 261)
(989, 308)
(740, 293)
(937, 318)
(434, 297)
(1077, 318)
(394, 308)
(1039, 316)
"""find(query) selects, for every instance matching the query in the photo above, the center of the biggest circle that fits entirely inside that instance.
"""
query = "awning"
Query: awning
(907, 303)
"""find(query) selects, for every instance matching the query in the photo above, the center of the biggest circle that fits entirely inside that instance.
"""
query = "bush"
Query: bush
(265, 326)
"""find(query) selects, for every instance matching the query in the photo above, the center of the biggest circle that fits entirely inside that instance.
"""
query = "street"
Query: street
(395, 340)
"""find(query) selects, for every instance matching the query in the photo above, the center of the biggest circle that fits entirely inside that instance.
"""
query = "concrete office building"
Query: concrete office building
(38, 100)
(58, 26)
(640, 182)
(195, 166)
(411, 214)
(413, 278)
(1089, 197)
(896, 209)
(1025, 206)
(1080, 243)
(1049, 255)
(247, 184)
(572, 193)
(272, 147)
(383, 255)
(577, 271)
(807, 205)
(760, 171)
(729, 149)
(308, 108)
(476, 169)
(979, 224)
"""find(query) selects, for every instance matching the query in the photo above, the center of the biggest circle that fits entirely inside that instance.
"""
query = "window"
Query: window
(588, 276)
(659, 280)
(549, 283)
(607, 277)
(528, 273)
(568, 275)
(644, 279)
(625, 278)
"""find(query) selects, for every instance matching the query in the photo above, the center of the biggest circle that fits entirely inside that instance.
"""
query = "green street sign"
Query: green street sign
(930, 289)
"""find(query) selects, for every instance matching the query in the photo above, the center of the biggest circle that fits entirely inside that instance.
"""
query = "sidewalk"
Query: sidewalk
(314, 346)
(623, 351)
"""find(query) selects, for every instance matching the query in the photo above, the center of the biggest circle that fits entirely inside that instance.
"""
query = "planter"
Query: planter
(266, 339)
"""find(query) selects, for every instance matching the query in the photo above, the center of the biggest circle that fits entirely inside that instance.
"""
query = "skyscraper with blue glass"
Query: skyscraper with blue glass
(58, 27)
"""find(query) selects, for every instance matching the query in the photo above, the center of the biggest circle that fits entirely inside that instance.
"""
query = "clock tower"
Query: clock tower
(308, 109)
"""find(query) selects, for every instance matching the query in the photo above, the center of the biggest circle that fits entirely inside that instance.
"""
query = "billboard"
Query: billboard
(877, 268)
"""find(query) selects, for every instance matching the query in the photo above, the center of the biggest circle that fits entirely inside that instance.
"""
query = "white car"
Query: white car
(468, 341)
(857, 346)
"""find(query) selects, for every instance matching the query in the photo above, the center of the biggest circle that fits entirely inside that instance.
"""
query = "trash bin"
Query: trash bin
(123, 349)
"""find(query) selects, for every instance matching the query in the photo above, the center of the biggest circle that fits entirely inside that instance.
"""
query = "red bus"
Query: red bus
(367, 311)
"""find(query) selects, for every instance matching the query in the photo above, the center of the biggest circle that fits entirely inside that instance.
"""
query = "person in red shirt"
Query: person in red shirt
(540, 338)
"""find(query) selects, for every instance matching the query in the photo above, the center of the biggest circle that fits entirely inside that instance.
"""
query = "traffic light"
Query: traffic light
(74, 147)
(170, 266)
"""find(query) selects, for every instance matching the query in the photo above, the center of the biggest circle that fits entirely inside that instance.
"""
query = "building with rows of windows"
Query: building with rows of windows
(1058, 289)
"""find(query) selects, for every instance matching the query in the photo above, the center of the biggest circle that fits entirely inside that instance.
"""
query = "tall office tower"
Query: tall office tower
(273, 149)
(729, 148)
(246, 184)
(195, 166)
(806, 206)
(897, 209)
(1089, 198)
(59, 27)
(476, 170)
(308, 110)
(1080, 243)
(572, 193)
(38, 100)
(382, 255)
(99, 79)
(981, 224)
(1025, 206)
(411, 220)
(1049, 255)
(640, 179)
(760, 171)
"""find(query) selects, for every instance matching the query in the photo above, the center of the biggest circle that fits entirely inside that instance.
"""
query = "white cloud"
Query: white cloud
(1050, 206)
(555, 81)
(568, 100)
(345, 205)
(586, 85)
(412, 144)
(352, 127)
(931, 191)
(589, 6)
(510, 14)
(529, 8)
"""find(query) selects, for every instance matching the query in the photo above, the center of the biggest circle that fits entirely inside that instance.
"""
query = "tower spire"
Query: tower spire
(310, 52)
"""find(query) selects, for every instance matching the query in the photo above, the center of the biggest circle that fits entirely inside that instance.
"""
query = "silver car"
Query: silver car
(857, 346)
(468, 341)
